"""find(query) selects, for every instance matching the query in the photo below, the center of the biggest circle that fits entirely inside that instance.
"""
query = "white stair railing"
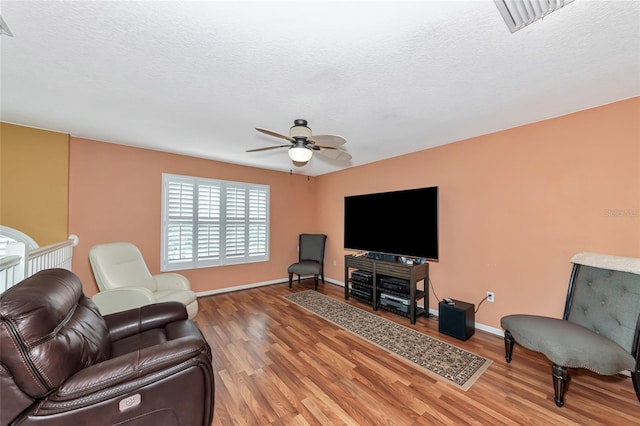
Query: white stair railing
(12, 265)
(20, 262)
(58, 255)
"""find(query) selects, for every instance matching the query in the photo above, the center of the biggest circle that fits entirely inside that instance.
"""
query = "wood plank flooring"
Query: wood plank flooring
(277, 364)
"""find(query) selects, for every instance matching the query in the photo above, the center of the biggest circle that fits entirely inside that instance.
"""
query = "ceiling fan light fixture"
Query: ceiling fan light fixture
(302, 146)
(300, 154)
(300, 130)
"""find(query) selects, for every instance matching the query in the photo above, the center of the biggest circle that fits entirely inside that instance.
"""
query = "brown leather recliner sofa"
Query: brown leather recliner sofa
(62, 363)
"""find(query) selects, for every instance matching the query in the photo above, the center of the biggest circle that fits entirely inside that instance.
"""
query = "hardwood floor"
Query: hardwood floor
(277, 364)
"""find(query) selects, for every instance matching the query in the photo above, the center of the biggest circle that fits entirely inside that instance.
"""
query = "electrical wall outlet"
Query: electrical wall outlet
(490, 296)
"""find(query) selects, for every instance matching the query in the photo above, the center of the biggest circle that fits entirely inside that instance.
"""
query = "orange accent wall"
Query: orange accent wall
(115, 194)
(34, 168)
(515, 206)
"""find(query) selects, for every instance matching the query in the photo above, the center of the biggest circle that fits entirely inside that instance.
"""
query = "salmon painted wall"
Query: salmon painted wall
(514, 206)
(115, 194)
(34, 168)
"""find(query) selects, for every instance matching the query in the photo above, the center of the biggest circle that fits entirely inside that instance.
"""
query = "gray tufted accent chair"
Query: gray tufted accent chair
(310, 258)
(600, 327)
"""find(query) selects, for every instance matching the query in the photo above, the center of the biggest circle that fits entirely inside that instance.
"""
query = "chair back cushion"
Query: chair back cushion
(604, 296)
(120, 264)
(49, 330)
(312, 247)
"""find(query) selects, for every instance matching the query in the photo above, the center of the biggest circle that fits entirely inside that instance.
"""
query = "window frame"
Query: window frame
(252, 206)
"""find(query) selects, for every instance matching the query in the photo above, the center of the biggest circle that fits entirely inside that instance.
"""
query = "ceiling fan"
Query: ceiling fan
(303, 144)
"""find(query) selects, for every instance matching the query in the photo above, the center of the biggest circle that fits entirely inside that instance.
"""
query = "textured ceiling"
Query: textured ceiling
(196, 78)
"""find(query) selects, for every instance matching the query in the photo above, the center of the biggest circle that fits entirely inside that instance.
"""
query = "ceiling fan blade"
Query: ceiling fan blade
(277, 135)
(328, 140)
(266, 148)
(334, 154)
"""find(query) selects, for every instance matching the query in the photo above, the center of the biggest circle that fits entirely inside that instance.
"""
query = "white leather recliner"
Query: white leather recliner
(126, 283)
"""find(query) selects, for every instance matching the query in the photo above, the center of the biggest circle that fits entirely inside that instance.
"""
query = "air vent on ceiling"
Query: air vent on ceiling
(4, 28)
(519, 13)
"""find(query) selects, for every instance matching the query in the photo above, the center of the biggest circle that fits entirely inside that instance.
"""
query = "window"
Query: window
(207, 222)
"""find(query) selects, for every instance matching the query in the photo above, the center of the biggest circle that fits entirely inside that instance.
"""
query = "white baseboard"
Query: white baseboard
(240, 287)
(434, 312)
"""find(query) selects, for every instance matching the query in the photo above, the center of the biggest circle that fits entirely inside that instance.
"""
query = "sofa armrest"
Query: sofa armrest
(172, 281)
(122, 299)
(12, 398)
(135, 321)
(115, 375)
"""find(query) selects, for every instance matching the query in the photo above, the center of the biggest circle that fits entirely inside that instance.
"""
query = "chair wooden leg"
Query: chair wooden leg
(508, 345)
(290, 279)
(560, 379)
(322, 278)
(635, 377)
(315, 279)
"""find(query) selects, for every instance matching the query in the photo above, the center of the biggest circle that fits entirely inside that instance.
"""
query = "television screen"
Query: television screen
(400, 223)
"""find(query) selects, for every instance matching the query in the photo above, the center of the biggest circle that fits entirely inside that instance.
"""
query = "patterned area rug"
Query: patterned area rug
(445, 361)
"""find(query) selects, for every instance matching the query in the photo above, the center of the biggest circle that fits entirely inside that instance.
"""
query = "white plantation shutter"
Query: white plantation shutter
(235, 222)
(179, 240)
(208, 222)
(257, 224)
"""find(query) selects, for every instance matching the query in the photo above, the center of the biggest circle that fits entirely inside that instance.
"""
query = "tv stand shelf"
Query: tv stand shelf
(412, 273)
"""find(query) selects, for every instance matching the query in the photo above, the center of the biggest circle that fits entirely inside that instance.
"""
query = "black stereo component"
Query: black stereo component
(362, 294)
(381, 256)
(399, 303)
(362, 287)
(396, 284)
(362, 276)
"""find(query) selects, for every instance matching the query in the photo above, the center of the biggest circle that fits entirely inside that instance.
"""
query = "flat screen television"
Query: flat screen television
(399, 223)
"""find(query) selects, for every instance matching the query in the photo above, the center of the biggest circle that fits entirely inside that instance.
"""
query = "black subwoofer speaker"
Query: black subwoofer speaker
(457, 320)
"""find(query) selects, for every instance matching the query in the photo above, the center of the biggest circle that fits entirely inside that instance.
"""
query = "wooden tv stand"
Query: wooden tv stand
(412, 273)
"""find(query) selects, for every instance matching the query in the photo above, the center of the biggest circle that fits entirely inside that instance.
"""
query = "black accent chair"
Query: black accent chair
(310, 258)
(600, 328)
(62, 363)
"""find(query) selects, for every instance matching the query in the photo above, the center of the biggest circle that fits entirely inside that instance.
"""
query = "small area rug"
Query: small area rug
(444, 361)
